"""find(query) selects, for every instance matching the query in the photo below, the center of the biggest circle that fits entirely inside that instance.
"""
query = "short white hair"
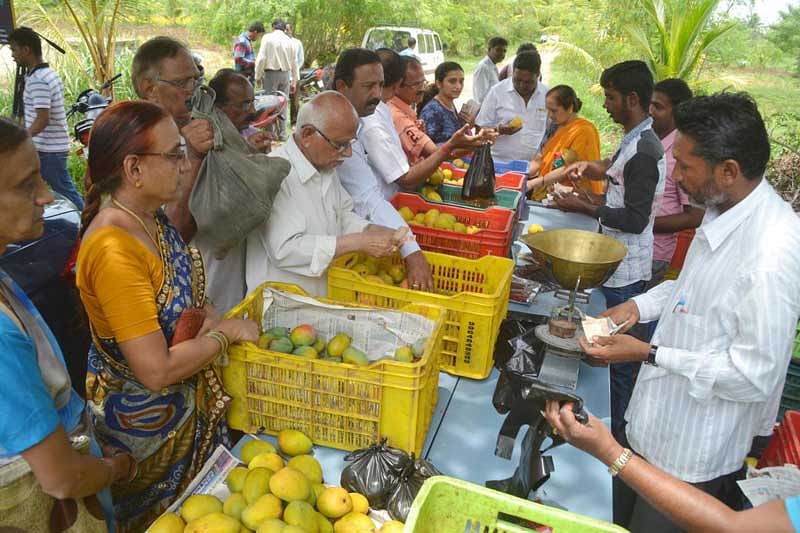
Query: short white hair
(326, 108)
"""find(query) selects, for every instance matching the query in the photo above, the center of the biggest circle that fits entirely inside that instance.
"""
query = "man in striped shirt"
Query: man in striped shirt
(717, 361)
(45, 118)
(244, 57)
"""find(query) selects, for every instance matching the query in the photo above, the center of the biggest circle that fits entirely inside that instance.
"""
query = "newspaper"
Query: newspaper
(771, 483)
(376, 332)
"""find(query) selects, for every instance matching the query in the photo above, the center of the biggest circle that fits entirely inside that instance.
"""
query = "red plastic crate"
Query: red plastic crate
(494, 238)
(784, 446)
(507, 180)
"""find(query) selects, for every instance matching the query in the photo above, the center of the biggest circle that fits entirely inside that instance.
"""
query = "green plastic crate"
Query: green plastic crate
(451, 194)
(446, 504)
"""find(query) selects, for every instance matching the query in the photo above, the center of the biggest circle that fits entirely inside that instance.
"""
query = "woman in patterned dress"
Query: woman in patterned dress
(161, 401)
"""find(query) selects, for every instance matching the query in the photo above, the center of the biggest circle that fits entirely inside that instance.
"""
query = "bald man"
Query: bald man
(312, 220)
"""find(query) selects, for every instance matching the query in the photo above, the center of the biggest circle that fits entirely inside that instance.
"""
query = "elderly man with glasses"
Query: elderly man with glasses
(165, 73)
(312, 220)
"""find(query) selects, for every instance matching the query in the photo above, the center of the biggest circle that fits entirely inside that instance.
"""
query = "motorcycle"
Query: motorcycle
(310, 83)
(90, 103)
(269, 107)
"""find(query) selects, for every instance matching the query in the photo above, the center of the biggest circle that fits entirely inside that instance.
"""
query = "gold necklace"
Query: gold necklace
(138, 218)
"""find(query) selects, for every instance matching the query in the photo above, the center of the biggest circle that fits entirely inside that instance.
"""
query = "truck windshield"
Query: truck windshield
(397, 40)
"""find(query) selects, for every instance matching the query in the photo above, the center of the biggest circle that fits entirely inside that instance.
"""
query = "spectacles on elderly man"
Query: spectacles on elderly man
(186, 84)
(340, 148)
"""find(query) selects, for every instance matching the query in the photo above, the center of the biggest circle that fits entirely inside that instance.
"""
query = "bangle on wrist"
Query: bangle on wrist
(221, 358)
(617, 466)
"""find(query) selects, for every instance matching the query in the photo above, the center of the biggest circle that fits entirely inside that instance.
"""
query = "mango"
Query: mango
(303, 335)
(265, 340)
(255, 447)
(279, 331)
(272, 525)
(213, 523)
(289, 484)
(392, 526)
(234, 505)
(198, 505)
(397, 272)
(338, 344)
(404, 354)
(458, 227)
(361, 269)
(535, 228)
(372, 265)
(447, 173)
(235, 479)
(256, 484)
(406, 213)
(372, 278)
(354, 356)
(272, 461)
(353, 260)
(334, 502)
(433, 196)
(301, 514)
(472, 230)
(360, 503)
(293, 529)
(324, 524)
(243, 529)
(515, 122)
(443, 223)
(436, 178)
(319, 345)
(312, 497)
(387, 279)
(266, 506)
(427, 189)
(431, 216)
(309, 466)
(458, 163)
(282, 345)
(293, 442)
(306, 352)
(419, 346)
(167, 523)
(354, 523)
(419, 218)
(318, 489)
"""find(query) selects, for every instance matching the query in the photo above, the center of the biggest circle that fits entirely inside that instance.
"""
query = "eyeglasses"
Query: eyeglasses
(175, 157)
(186, 84)
(340, 148)
(415, 84)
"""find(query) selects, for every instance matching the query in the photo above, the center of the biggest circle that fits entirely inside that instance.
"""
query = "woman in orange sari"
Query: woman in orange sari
(575, 139)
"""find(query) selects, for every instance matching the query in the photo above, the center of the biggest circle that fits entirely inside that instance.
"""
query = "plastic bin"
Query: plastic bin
(497, 224)
(516, 165)
(505, 198)
(448, 504)
(784, 446)
(338, 405)
(474, 293)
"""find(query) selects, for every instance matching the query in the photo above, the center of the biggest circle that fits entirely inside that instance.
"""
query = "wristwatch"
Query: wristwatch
(651, 356)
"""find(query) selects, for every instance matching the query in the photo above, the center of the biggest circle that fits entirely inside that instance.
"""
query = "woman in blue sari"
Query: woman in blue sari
(152, 387)
(46, 482)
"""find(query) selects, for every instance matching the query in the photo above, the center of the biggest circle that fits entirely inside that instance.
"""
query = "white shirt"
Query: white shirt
(725, 333)
(225, 283)
(364, 187)
(502, 104)
(298, 242)
(484, 78)
(384, 150)
(300, 53)
(277, 52)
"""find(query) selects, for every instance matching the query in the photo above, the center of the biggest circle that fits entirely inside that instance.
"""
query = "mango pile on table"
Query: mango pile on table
(271, 495)
(433, 218)
(304, 341)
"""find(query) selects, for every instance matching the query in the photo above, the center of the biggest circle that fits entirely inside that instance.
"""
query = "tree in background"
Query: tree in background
(785, 33)
(684, 32)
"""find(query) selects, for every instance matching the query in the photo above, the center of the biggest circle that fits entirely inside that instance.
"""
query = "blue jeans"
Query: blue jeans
(623, 375)
(55, 173)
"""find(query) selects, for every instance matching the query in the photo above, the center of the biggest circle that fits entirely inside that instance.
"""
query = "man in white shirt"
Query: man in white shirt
(719, 354)
(411, 50)
(523, 97)
(276, 64)
(486, 75)
(359, 77)
(312, 220)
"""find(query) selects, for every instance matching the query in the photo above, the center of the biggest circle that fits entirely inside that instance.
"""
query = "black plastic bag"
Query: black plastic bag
(374, 472)
(479, 181)
(408, 485)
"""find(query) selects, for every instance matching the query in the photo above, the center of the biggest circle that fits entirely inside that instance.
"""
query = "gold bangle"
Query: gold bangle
(222, 355)
(617, 466)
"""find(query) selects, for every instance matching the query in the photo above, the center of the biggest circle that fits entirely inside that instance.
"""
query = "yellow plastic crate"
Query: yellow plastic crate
(473, 291)
(338, 405)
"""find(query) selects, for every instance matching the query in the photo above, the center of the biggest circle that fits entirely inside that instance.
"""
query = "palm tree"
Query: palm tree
(683, 35)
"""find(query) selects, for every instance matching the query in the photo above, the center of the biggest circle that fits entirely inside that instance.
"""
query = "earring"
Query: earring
(138, 184)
